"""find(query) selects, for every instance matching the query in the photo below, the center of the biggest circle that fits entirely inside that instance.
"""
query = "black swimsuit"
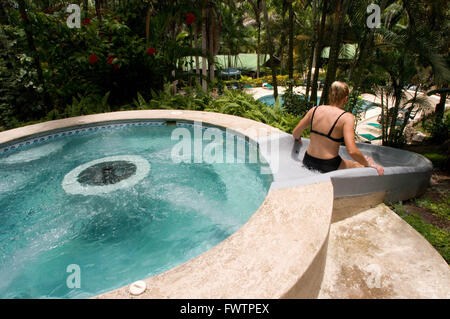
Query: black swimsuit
(323, 165)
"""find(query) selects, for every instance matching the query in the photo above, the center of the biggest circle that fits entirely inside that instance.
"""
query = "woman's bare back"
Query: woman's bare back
(324, 118)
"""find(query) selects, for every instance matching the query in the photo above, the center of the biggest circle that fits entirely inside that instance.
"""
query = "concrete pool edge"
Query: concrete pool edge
(267, 258)
(299, 277)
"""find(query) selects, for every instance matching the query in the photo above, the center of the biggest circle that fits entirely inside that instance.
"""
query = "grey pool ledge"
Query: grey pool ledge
(406, 174)
(283, 251)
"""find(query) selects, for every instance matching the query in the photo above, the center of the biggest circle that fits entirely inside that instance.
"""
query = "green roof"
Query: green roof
(347, 52)
(243, 61)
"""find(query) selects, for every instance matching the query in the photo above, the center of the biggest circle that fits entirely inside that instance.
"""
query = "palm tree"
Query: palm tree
(338, 24)
(314, 46)
(211, 24)
(233, 33)
(317, 52)
(257, 8)
(398, 52)
(204, 44)
(271, 48)
(430, 20)
(291, 40)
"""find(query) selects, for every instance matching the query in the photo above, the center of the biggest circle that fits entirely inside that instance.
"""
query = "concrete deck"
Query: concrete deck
(375, 254)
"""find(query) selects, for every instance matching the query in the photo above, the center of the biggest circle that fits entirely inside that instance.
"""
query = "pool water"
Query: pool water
(172, 213)
(270, 101)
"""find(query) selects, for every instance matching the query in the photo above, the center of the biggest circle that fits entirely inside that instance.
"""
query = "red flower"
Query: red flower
(151, 51)
(190, 18)
(93, 58)
(48, 11)
(24, 16)
(110, 59)
(86, 21)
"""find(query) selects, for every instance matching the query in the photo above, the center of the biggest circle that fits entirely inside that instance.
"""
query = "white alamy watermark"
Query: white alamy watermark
(74, 19)
(209, 145)
(374, 279)
(374, 19)
(74, 279)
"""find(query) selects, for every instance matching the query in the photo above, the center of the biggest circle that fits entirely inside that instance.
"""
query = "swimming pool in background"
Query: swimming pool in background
(270, 101)
(113, 201)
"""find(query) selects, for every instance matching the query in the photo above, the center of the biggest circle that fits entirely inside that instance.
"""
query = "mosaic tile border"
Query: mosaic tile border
(73, 131)
(18, 145)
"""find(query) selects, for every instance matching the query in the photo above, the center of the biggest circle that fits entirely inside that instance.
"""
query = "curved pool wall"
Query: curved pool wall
(281, 251)
(406, 174)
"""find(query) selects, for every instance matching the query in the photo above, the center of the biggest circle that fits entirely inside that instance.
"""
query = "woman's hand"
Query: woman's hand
(379, 169)
(297, 145)
(372, 164)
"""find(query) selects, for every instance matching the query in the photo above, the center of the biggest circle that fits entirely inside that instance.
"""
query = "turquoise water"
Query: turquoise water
(270, 100)
(173, 214)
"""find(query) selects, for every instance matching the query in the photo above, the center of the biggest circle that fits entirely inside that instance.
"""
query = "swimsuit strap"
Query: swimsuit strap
(339, 140)
(332, 128)
(312, 117)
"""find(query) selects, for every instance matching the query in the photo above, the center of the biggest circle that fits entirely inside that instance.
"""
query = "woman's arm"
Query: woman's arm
(352, 149)
(302, 125)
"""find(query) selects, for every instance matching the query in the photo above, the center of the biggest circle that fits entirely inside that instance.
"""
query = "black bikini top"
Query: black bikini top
(339, 140)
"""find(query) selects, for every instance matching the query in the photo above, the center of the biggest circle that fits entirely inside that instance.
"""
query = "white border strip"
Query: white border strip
(71, 185)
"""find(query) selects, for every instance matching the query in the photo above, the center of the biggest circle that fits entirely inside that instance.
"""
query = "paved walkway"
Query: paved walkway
(376, 254)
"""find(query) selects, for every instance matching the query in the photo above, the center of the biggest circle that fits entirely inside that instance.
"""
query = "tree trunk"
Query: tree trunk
(318, 52)
(339, 14)
(204, 36)
(408, 113)
(383, 114)
(441, 130)
(258, 51)
(256, 4)
(314, 48)
(308, 76)
(393, 134)
(98, 10)
(212, 26)
(271, 50)
(147, 22)
(440, 108)
(198, 46)
(291, 43)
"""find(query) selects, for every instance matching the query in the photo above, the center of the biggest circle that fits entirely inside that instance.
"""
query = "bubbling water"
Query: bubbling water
(115, 204)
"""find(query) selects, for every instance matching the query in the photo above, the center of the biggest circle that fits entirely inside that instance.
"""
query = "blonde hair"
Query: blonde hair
(338, 91)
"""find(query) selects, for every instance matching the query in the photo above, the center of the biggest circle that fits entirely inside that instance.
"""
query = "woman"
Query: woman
(330, 126)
